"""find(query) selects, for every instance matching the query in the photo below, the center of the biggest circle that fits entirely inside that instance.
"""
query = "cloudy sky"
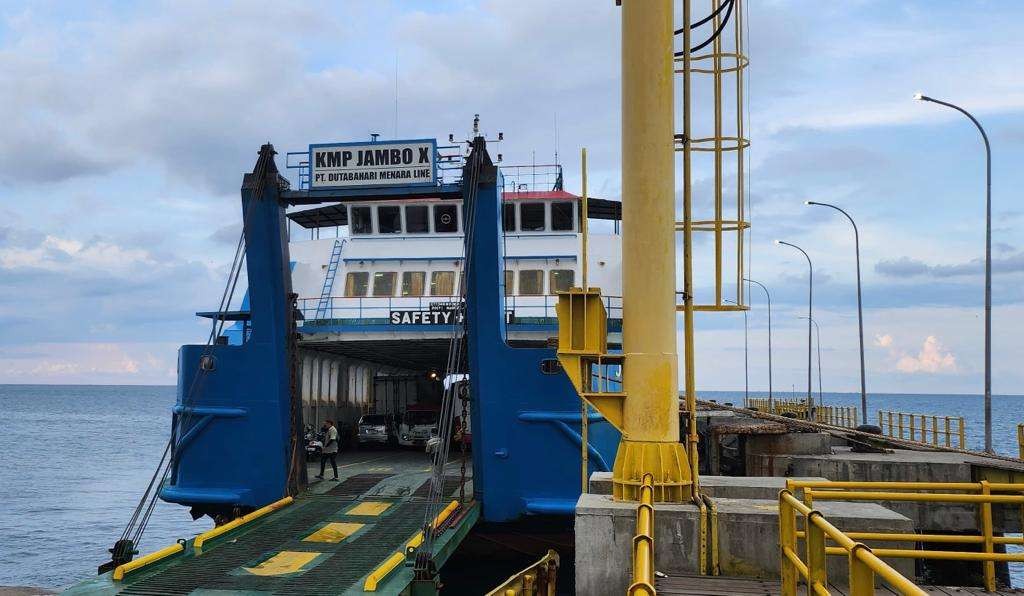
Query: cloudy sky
(127, 125)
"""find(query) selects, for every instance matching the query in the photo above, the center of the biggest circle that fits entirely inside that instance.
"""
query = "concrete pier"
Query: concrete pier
(903, 465)
(748, 532)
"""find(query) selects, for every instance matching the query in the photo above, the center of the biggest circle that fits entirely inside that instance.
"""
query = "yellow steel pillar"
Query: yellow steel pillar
(650, 424)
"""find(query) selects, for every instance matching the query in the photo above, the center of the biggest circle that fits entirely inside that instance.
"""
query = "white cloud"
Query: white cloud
(54, 253)
(883, 341)
(932, 358)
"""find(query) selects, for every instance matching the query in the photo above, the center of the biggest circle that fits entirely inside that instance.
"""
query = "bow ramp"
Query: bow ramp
(356, 536)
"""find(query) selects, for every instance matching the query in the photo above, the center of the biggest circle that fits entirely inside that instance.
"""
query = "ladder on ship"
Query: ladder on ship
(324, 303)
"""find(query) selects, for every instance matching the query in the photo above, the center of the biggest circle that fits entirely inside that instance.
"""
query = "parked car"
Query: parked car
(418, 424)
(375, 429)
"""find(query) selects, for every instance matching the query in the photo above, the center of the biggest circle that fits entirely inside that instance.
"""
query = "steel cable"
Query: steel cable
(143, 511)
(455, 356)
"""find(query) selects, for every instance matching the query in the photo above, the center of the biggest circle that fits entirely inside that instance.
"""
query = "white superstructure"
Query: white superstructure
(398, 258)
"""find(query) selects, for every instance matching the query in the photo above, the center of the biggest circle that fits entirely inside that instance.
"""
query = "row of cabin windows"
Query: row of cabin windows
(533, 217)
(442, 283)
(531, 281)
(416, 220)
(556, 216)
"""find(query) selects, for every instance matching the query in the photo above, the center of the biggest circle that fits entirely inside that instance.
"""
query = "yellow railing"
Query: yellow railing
(1020, 441)
(240, 521)
(845, 416)
(643, 542)
(779, 406)
(161, 554)
(864, 564)
(121, 570)
(981, 494)
(539, 579)
(915, 427)
(398, 557)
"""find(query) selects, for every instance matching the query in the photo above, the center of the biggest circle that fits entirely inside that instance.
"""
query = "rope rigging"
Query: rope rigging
(453, 389)
(126, 546)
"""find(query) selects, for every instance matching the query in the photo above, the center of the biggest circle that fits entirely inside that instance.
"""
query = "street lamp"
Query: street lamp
(860, 312)
(746, 359)
(771, 401)
(810, 315)
(817, 331)
(988, 264)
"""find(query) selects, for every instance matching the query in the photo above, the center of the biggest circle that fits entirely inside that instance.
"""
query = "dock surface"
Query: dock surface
(326, 542)
(704, 585)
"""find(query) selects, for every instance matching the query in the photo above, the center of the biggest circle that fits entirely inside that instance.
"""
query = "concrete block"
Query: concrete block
(601, 483)
(604, 541)
(790, 444)
(748, 535)
(899, 466)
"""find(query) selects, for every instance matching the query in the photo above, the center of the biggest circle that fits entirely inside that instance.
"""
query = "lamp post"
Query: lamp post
(817, 332)
(771, 401)
(988, 264)
(810, 315)
(860, 312)
(746, 357)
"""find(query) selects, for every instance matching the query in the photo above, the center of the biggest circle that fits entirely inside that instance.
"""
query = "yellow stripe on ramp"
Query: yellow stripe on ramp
(283, 563)
(369, 508)
(334, 532)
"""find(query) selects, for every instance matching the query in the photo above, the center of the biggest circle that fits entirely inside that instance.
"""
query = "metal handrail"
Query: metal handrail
(539, 579)
(844, 416)
(892, 425)
(864, 563)
(643, 542)
(1020, 441)
(978, 493)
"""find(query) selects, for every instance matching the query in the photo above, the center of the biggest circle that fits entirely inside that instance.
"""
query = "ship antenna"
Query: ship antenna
(556, 138)
(396, 95)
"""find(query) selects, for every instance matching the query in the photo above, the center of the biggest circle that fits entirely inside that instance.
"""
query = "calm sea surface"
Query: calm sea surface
(75, 460)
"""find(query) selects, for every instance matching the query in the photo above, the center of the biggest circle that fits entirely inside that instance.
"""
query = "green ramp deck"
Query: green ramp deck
(327, 542)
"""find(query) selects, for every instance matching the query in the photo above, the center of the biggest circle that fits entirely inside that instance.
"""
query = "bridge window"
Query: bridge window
(389, 219)
(560, 280)
(361, 220)
(531, 282)
(413, 282)
(531, 217)
(416, 219)
(446, 219)
(510, 283)
(356, 283)
(561, 216)
(384, 283)
(442, 283)
(508, 217)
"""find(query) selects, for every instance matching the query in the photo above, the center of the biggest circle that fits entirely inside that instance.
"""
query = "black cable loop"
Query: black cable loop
(716, 34)
(714, 14)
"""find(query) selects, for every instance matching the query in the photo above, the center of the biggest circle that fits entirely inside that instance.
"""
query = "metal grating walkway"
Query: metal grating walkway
(323, 567)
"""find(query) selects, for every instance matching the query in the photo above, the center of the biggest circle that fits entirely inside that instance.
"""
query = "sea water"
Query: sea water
(74, 461)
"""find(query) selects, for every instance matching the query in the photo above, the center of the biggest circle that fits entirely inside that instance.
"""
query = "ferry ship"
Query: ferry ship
(381, 283)
(397, 276)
